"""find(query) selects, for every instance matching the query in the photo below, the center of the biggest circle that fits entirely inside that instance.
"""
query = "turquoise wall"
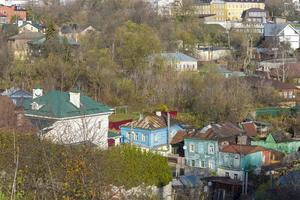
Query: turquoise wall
(284, 147)
(201, 153)
(234, 161)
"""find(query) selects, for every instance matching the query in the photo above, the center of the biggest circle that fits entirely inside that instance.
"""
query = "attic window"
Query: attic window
(36, 106)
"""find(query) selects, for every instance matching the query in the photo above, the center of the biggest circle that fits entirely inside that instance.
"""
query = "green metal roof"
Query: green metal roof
(41, 41)
(56, 104)
(273, 112)
(112, 134)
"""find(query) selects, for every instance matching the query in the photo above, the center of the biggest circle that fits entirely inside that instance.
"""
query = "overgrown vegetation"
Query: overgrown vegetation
(43, 170)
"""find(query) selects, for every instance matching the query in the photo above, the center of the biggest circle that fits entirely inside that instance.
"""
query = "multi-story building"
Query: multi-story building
(12, 12)
(202, 147)
(22, 3)
(227, 10)
(151, 132)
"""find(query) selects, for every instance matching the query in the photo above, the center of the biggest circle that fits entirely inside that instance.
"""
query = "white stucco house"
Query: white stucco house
(180, 61)
(29, 27)
(282, 33)
(163, 7)
(69, 117)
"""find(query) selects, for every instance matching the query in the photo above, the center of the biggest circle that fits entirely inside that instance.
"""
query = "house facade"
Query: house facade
(287, 94)
(235, 160)
(227, 10)
(18, 44)
(69, 117)
(29, 27)
(151, 132)
(279, 141)
(13, 11)
(202, 147)
(255, 15)
(179, 61)
(282, 33)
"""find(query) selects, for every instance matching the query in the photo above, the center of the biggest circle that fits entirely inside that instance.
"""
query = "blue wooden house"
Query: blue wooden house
(17, 95)
(202, 146)
(151, 132)
(235, 160)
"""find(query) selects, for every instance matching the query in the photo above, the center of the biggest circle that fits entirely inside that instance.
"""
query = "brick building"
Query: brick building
(11, 11)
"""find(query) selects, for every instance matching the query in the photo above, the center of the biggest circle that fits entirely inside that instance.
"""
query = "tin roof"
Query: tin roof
(216, 132)
(56, 104)
(175, 56)
(178, 137)
(150, 121)
(250, 128)
(242, 149)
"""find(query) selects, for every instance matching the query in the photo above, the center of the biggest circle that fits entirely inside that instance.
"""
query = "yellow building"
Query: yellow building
(226, 10)
(235, 9)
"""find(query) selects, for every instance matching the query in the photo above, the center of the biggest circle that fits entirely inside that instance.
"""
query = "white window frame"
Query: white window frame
(202, 164)
(211, 149)
(143, 137)
(135, 136)
(211, 164)
(191, 148)
(155, 138)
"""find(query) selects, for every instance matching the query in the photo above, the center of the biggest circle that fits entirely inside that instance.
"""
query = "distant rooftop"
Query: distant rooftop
(216, 132)
(178, 57)
(242, 149)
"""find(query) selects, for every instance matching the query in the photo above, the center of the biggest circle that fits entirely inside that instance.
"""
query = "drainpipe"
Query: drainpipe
(168, 133)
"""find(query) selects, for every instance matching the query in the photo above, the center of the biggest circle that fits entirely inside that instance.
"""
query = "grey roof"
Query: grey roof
(16, 92)
(223, 70)
(178, 57)
(281, 136)
(216, 132)
(27, 36)
(151, 122)
(271, 30)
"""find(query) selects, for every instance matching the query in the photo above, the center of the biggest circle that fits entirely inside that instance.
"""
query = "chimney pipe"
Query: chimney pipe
(75, 99)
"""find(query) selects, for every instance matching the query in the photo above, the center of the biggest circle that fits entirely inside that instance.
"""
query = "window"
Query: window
(128, 135)
(135, 136)
(227, 174)
(290, 94)
(202, 164)
(192, 148)
(235, 176)
(193, 163)
(211, 149)
(99, 124)
(211, 164)
(155, 138)
(143, 137)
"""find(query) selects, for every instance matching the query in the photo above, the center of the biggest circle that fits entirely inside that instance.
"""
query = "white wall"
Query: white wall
(209, 55)
(79, 130)
(187, 66)
(222, 172)
(289, 35)
(28, 28)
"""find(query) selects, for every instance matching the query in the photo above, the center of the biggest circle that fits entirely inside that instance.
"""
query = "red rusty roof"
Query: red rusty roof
(116, 125)
(178, 137)
(242, 149)
(250, 128)
(217, 131)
